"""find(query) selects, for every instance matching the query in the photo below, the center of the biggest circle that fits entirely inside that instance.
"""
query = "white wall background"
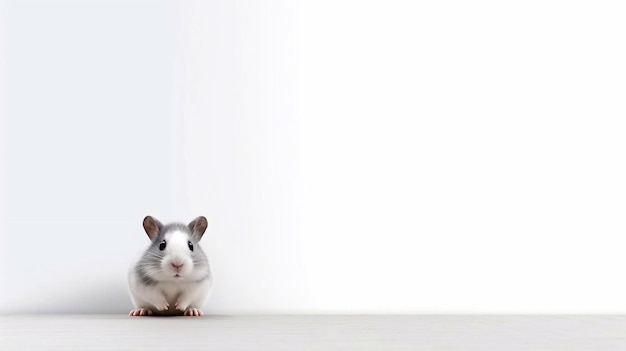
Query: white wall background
(350, 156)
(90, 105)
(236, 133)
(3, 151)
(464, 155)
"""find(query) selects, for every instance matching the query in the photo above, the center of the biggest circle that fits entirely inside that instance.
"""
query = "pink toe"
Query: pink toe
(193, 312)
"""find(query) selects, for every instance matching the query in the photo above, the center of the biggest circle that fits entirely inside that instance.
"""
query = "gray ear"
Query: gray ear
(152, 227)
(198, 226)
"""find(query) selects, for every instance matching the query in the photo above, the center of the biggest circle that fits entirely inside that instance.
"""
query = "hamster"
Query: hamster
(173, 275)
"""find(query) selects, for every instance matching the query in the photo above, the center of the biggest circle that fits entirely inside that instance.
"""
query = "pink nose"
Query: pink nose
(177, 265)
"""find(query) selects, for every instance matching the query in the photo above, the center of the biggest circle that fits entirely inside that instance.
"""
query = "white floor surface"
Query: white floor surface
(313, 332)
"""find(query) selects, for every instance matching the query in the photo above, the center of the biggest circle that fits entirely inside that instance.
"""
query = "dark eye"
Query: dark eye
(190, 245)
(162, 245)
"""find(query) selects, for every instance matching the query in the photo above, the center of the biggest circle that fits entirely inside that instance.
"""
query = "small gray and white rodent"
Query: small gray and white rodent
(173, 275)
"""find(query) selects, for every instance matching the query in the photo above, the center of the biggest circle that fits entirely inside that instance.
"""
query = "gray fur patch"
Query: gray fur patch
(205, 277)
(143, 276)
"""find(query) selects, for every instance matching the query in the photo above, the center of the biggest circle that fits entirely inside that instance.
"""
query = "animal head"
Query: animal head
(174, 253)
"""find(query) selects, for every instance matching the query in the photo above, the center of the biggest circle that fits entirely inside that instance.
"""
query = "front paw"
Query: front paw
(162, 305)
(182, 305)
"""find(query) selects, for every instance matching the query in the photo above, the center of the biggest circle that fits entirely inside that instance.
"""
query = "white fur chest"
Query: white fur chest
(173, 290)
